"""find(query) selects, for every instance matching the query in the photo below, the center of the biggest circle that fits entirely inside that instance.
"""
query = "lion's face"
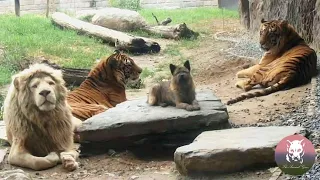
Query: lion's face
(39, 87)
(43, 92)
(271, 33)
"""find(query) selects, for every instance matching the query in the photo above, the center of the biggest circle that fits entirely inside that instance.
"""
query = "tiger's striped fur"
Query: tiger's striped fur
(104, 87)
(289, 62)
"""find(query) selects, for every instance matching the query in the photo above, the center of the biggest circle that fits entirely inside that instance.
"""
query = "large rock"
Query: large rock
(3, 134)
(119, 19)
(231, 150)
(316, 26)
(136, 118)
(86, 15)
(15, 174)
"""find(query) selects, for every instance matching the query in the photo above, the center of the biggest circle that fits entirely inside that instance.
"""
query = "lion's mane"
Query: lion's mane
(43, 131)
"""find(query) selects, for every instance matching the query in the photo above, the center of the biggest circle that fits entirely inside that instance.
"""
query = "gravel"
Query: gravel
(247, 46)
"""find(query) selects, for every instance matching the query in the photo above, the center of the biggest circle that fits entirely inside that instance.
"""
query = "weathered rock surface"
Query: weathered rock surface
(16, 174)
(3, 134)
(86, 14)
(136, 118)
(119, 19)
(231, 150)
(3, 153)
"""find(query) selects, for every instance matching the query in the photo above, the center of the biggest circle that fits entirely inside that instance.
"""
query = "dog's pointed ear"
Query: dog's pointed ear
(284, 23)
(113, 63)
(172, 68)
(187, 65)
(16, 83)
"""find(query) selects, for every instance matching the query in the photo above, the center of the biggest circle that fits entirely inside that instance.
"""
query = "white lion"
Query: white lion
(39, 121)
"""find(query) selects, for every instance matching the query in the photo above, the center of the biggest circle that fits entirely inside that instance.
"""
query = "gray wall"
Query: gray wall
(177, 3)
(39, 6)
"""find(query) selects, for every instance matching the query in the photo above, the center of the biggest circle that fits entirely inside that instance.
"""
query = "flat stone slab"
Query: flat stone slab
(3, 153)
(136, 117)
(231, 150)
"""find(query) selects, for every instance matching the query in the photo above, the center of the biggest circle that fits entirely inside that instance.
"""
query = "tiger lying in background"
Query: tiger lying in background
(104, 87)
(288, 61)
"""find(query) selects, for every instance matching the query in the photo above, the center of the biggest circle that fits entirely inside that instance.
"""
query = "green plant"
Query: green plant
(1, 106)
(87, 18)
(126, 4)
(188, 15)
(146, 72)
(33, 36)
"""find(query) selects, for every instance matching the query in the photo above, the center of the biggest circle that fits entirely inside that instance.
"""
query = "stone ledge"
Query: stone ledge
(136, 120)
(231, 150)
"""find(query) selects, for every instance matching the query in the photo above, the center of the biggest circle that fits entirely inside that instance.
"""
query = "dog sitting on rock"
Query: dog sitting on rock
(179, 91)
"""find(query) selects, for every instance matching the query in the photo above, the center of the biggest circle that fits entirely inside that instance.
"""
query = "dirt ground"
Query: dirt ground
(214, 70)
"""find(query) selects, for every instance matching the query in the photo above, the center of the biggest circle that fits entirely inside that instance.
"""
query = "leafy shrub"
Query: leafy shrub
(126, 4)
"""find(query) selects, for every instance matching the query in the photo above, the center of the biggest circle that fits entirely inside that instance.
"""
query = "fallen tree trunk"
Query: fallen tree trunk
(176, 32)
(120, 40)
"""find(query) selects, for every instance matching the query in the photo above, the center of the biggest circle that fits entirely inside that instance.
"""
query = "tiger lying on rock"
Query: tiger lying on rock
(104, 87)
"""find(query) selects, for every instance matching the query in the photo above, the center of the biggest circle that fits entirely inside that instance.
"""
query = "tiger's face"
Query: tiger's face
(125, 67)
(271, 33)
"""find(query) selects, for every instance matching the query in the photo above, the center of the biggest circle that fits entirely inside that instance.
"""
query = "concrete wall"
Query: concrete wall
(228, 4)
(39, 6)
(177, 3)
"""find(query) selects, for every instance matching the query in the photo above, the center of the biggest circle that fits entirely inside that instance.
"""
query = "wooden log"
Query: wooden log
(164, 23)
(125, 41)
(176, 32)
(74, 76)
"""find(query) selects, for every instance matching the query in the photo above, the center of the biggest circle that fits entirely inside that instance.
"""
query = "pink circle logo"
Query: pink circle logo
(295, 155)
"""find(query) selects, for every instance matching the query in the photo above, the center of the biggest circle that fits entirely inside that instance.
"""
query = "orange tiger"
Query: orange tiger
(288, 62)
(104, 87)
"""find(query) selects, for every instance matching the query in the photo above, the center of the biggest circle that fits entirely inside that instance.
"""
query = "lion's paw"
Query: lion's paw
(53, 157)
(68, 161)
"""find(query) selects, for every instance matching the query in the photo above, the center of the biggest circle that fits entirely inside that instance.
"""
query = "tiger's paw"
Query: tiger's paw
(101, 109)
(243, 85)
(240, 84)
(242, 74)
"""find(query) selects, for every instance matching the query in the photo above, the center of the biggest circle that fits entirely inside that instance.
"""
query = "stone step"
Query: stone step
(136, 118)
(231, 150)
